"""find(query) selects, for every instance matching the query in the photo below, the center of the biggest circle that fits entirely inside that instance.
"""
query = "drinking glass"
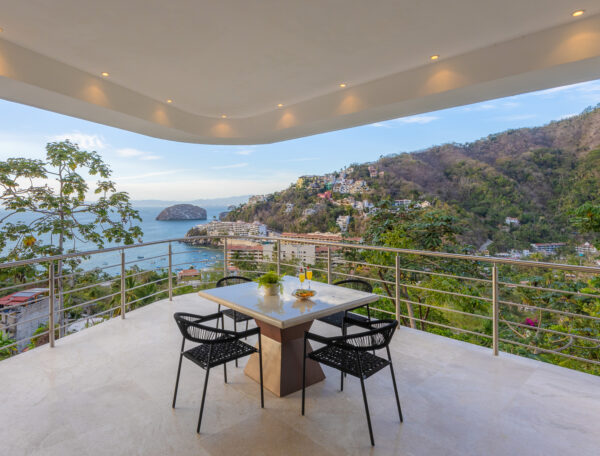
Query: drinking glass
(309, 277)
(301, 276)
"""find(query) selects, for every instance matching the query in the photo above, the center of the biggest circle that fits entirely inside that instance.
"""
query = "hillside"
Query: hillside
(536, 175)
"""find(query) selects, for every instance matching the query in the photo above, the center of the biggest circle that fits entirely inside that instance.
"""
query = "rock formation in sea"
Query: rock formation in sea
(182, 212)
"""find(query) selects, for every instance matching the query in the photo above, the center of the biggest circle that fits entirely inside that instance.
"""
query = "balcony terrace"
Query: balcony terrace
(108, 389)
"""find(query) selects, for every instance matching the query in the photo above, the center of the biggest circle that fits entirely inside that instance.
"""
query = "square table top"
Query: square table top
(285, 310)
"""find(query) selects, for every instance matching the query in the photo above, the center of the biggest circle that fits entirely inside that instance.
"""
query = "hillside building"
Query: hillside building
(22, 313)
(549, 248)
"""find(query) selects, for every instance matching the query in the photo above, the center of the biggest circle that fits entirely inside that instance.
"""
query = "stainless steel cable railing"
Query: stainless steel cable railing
(456, 295)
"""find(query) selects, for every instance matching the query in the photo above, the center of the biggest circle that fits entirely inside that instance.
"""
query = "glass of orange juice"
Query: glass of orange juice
(308, 276)
(301, 276)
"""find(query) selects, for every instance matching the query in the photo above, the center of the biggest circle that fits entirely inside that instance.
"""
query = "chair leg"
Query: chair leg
(362, 385)
(394, 382)
(235, 330)
(246, 338)
(225, 372)
(396, 392)
(203, 398)
(303, 376)
(262, 394)
(178, 372)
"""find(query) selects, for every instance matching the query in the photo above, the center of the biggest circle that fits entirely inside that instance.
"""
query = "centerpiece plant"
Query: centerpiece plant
(271, 282)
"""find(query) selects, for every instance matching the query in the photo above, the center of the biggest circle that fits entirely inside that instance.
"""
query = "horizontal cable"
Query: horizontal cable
(545, 350)
(545, 309)
(546, 330)
(149, 296)
(575, 293)
(88, 286)
(4, 347)
(26, 284)
(86, 303)
(145, 284)
(447, 309)
(449, 327)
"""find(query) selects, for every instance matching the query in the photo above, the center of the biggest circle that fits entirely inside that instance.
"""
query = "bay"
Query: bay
(184, 255)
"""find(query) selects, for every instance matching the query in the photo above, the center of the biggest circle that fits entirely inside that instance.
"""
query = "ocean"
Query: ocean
(184, 255)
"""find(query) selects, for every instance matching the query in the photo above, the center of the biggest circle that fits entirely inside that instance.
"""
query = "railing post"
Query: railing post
(170, 272)
(397, 288)
(329, 265)
(409, 308)
(123, 294)
(225, 257)
(495, 309)
(278, 257)
(51, 303)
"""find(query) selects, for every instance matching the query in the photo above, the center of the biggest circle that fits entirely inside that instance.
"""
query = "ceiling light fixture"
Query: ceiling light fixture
(280, 105)
(104, 74)
(434, 57)
(577, 13)
(169, 101)
(1, 29)
(343, 85)
(223, 116)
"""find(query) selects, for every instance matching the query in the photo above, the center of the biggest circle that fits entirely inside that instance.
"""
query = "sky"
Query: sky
(150, 168)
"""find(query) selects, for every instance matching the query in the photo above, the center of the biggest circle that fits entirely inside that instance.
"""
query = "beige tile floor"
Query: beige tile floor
(108, 389)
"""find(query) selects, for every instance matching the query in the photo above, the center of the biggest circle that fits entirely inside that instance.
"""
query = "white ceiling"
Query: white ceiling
(242, 58)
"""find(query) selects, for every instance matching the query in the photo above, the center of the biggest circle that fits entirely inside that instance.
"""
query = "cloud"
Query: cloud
(566, 116)
(147, 175)
(235, 165)
(206, 187)
(85, 141)
(490, 105)
(244, 152)
(425, 119)
(140, 154)
(420, 119)
(12, 145)
(301, 159)
(516, 117)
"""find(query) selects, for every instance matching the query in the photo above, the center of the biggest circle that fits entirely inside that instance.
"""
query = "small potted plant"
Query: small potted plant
(271, 283)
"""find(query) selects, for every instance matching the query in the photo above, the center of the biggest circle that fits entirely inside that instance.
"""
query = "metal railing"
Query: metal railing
(457, 295)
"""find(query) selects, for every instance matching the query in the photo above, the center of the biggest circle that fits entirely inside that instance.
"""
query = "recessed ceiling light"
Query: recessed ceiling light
(280, 105)
(169, 101)
(342, 85)
(577, 13)
(1, 29)
(434, 57)
(104, 74)
(223, 116)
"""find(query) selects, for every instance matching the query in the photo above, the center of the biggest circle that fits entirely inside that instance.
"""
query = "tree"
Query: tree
(587, 219)
(52, 194)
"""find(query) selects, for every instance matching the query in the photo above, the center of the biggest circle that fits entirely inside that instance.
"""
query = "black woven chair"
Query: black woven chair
(337, 319)
(234, 315)
(217, 346)
(351, 354)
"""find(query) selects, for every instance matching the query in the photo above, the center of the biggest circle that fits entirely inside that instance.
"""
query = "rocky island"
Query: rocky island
(182, 212)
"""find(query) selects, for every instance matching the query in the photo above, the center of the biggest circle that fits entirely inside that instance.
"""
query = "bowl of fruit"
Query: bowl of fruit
(301, 293)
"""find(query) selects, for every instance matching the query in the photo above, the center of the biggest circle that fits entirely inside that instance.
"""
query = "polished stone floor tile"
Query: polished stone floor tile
(108, 389)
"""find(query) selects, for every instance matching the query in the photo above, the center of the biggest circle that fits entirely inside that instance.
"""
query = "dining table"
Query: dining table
(283, 319)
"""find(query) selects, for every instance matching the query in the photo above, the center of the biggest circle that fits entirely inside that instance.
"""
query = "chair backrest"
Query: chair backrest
(192, 329)
(355, 284)
(374, 339)
(232, 280)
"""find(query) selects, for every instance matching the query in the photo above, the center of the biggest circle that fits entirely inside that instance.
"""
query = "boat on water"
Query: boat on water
(140, 257)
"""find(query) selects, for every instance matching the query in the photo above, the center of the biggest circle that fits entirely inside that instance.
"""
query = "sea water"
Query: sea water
(184, 255)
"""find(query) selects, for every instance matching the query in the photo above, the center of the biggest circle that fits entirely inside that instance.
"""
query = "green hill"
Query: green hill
(537, 175)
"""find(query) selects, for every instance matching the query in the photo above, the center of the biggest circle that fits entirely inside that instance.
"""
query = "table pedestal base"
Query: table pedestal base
(282, 360)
